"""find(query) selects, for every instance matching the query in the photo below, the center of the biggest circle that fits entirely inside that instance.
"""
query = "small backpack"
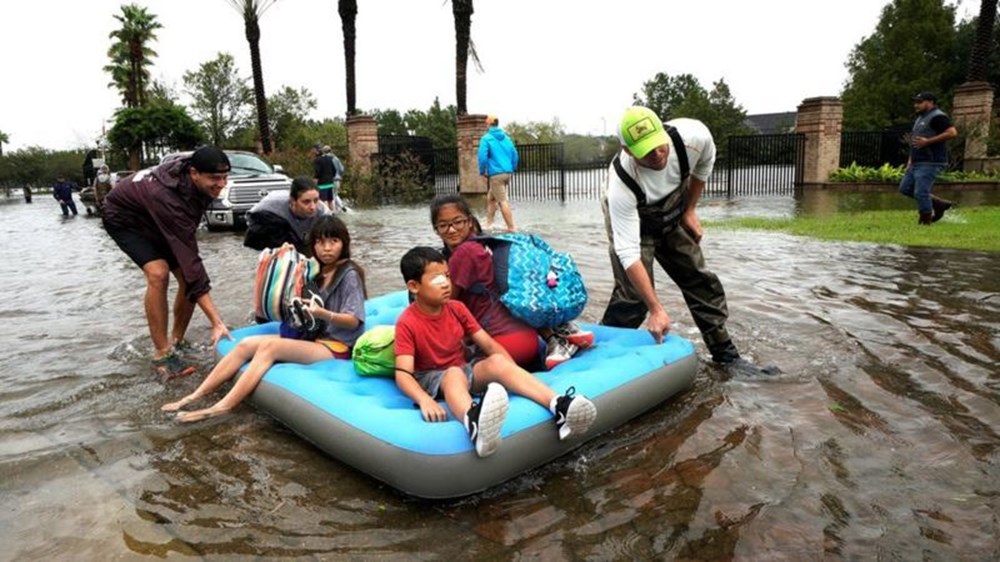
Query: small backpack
(282, 274)
(374, 354)
(538, 285)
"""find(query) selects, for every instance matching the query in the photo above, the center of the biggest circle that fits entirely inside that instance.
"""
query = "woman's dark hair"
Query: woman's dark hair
(329, 226)
(449, 199)
(457, 200)
(301, 185)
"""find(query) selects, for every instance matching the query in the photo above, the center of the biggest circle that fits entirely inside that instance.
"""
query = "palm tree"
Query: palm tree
(464, 47)
(130, 54)
(252, 10)
(348, 12)
(4, 139)
(983, 46)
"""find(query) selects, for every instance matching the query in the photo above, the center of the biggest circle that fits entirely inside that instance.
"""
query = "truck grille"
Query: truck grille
(248, 191)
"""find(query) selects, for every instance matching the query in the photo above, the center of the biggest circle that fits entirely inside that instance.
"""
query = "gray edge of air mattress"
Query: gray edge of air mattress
(454, 475)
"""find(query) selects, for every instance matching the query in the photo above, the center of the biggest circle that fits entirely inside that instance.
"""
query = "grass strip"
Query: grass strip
(974, 228)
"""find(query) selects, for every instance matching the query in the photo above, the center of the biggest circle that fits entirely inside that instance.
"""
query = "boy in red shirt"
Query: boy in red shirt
(430, 362)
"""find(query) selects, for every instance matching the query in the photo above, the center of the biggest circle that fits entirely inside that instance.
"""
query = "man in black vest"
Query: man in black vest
(654, 185)
(928, 157)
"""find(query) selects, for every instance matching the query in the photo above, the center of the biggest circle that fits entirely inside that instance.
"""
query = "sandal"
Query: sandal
(171, 366)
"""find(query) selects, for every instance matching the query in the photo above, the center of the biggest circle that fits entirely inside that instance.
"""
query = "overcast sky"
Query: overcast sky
(578, 61)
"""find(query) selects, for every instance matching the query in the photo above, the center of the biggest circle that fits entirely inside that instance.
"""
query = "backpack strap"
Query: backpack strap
(682, 159)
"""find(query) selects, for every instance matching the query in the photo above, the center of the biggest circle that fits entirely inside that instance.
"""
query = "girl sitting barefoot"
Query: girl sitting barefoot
(340, 284)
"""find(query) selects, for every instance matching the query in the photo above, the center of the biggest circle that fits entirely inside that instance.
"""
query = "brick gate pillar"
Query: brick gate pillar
(469, 129)
(820, 120)
(362, 142)
(971, 109)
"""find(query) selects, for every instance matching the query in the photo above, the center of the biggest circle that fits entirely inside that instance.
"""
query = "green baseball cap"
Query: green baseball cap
(641, 131)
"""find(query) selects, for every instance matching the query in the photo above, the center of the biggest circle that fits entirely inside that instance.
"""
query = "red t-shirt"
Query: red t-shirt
(471, 264)
(435, 342)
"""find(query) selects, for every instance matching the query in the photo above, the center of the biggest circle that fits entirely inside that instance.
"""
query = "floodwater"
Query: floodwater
(880, 441)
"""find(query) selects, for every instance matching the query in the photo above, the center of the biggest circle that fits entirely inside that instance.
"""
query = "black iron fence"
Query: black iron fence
(874, 148)
(764, 164)
(755, 165)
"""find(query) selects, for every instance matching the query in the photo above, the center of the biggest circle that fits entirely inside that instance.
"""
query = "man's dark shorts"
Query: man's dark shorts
(141, 249)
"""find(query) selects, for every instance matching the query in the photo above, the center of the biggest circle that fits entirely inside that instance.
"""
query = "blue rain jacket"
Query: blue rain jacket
(497, 154)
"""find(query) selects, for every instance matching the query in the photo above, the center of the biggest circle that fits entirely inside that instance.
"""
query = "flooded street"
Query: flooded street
(880, 440)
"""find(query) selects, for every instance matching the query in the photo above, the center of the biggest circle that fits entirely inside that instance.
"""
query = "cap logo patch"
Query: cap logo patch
(641, 128)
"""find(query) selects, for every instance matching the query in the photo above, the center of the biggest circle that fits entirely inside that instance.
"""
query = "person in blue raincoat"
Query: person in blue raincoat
(497, 161)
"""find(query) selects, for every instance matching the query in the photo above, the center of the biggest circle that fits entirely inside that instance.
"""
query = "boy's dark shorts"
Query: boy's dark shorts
(141, 249)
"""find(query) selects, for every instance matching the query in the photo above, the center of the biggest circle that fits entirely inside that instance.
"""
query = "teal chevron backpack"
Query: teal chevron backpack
(540, 286)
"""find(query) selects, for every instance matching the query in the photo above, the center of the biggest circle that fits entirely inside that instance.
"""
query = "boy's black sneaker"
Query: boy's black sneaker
(485, 419)
(574, 414)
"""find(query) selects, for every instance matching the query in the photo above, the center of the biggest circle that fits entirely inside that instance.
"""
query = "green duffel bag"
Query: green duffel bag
(373, 353)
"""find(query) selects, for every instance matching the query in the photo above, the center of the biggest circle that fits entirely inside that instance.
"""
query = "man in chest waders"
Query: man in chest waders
(654, 185)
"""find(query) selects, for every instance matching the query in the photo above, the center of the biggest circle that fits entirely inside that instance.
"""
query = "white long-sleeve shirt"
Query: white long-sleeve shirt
(656, 184)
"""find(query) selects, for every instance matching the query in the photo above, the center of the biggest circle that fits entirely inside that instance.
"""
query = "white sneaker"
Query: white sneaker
(485, 419)
(558, 350)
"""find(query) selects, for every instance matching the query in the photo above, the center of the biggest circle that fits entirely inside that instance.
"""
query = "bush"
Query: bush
(865, 174)
(894, 174)
(960, 176)
(393, 179)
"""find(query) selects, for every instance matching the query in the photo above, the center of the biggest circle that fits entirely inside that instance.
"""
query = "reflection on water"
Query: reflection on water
(879, 440)
(829, 202)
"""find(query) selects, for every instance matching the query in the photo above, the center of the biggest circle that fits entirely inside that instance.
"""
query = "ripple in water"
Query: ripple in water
(879, 436)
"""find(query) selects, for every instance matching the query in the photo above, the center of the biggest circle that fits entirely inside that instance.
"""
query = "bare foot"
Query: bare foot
(174, 406)
(204, 414)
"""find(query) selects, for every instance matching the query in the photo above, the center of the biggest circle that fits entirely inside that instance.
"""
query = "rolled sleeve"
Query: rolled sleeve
(624, 218)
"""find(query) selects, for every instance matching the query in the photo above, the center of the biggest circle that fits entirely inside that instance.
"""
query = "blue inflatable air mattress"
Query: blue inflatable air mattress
(369, 424)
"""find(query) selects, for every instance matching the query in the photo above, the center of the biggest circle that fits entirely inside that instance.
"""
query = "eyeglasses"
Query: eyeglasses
(457, 224)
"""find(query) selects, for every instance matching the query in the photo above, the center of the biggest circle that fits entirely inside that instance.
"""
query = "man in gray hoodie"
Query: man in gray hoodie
(153, 216)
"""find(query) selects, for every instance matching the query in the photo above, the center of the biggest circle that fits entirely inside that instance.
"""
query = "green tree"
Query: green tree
(220, 99)
(390, 122)
(535, 132)
(437, 123)
(288, 110)
(663, 93)
(162, 93)
(683, 96)
(130, 53)
(153, 130)
(39, 166)
(585, 149)
(4, 139)
(348, 10)
(252, 10)
(912, 49)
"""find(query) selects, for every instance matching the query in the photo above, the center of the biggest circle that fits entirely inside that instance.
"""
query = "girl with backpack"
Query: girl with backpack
(471, 268)
(338, 304)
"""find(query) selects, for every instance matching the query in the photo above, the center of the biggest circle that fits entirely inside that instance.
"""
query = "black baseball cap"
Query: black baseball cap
(210, 160)
(925, 96)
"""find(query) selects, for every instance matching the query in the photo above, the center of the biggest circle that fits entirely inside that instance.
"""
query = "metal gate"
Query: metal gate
(763, 165)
